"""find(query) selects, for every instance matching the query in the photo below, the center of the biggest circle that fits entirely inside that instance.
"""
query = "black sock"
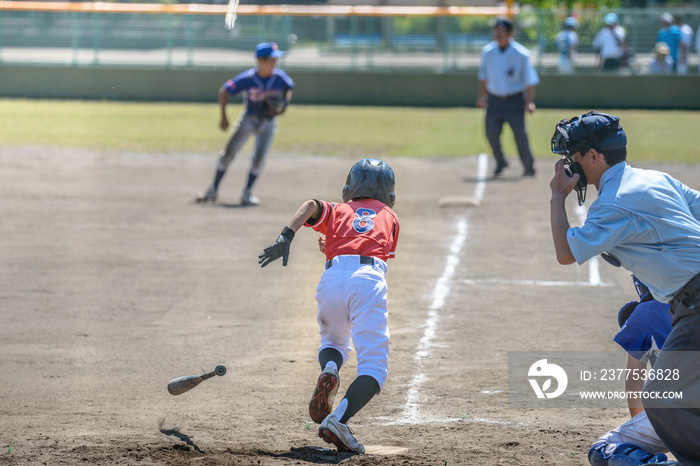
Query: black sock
(217, 179)
(358, 395)
(330, 354)
(251, 180)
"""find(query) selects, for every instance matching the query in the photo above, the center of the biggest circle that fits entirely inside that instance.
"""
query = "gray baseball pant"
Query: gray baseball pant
(248, 125)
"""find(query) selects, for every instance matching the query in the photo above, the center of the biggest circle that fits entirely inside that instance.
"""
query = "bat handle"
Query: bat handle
(220, 370)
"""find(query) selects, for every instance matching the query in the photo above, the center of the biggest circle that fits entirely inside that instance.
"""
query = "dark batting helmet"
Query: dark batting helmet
(370, 178)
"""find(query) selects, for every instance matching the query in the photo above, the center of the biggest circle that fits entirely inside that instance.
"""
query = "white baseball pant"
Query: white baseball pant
(352, 305)
(639, 432)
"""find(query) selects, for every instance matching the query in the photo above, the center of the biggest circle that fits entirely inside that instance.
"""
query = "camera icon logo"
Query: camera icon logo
(541, 369)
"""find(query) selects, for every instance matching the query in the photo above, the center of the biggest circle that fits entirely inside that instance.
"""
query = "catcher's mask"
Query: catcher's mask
(580, 134)
(642, 290)
(627, 310)
(370, 178)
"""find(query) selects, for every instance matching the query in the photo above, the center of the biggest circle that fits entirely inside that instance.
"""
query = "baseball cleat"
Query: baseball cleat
(321, 403)
(340, 435)
(248, 199)
(500, 166)
(208, 196)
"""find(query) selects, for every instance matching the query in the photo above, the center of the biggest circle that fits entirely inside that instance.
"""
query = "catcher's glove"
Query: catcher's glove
(277, 250)
(274, 106)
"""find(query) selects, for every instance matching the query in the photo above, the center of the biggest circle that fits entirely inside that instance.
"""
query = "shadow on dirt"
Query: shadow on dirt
(223, 205)
(490, 179)
(309, 454)
(186, 439)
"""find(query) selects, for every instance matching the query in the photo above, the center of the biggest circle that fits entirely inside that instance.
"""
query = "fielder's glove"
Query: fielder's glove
(274, 106)
(277, 250)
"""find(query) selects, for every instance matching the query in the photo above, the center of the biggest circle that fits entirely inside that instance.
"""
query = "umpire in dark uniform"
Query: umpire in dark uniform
(507, 90)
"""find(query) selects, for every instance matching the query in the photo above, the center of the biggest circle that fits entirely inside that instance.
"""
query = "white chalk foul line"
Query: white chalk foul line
(593, 270)
(411, 409)
(530, 282)
(593, 264)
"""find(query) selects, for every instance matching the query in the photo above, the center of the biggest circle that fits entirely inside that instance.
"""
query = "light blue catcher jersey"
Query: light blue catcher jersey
(646, 329)
(257, 88)
(649, 222)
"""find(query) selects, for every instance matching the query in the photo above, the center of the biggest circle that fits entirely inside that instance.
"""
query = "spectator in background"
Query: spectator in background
(661, 61)
(685, 44)
(671, 35)
(567, 43)
(609, 43)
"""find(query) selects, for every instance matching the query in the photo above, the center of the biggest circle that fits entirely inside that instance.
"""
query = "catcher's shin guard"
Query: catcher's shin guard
(626, 454)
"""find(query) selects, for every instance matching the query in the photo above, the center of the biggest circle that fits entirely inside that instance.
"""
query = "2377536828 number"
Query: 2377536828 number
(639, 374)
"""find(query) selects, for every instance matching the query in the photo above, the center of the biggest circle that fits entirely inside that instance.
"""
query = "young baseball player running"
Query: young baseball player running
(644, 326)
(268, 91)
(360, 235)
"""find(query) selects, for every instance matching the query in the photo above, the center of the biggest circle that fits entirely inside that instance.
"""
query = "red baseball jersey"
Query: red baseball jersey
(367, 227)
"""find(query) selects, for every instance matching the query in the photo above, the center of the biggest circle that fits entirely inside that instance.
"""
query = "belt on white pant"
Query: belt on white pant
(365, 260)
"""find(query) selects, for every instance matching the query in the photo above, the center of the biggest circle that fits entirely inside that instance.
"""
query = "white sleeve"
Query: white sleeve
(620, 31)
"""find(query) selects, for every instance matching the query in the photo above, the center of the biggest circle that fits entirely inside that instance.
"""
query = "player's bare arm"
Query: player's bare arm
(631, 385)
(530, 99)
(280, 248)
(561, 186)
(223, 101)
(308, 209)
(482, 99)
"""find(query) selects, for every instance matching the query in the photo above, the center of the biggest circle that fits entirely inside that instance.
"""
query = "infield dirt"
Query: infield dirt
(114, 282)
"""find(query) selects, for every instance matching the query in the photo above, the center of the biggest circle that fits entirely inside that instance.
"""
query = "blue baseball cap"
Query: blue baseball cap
(582, 127)
(571, 22)
(268, 49)
(610, 18)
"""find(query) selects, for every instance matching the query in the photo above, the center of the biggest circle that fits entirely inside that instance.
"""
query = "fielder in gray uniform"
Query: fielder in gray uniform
(267, 92)
(507, 90)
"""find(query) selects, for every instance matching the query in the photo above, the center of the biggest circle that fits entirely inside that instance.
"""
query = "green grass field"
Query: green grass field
(661, 136)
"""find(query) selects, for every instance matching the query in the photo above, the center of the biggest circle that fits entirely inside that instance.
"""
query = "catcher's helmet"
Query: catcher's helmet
(370, 178)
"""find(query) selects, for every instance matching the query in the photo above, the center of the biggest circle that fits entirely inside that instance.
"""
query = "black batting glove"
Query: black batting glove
(277, 250)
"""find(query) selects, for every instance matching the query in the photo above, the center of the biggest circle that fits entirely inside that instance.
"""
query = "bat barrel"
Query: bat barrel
(184, 384)
(181, 385)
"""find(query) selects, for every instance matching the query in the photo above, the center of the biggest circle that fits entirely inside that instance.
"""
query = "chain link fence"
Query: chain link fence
(442, 43)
